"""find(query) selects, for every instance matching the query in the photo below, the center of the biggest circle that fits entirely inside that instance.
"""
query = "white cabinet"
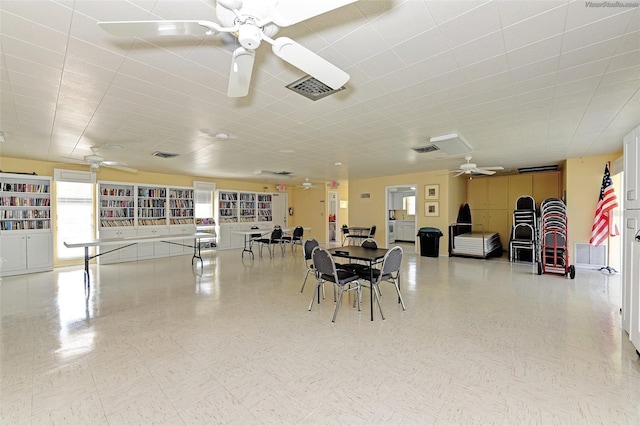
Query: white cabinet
(110, 254)
(155, 249)
(405, 231)
(631, 172)
(23, 252)
(26, 241)
(176, 248)
(227, 239)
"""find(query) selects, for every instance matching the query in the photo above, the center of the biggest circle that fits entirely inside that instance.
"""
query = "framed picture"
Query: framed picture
(431, 192)
(431, 208)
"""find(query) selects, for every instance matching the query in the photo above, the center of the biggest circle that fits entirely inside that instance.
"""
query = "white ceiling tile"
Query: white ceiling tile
(512, 12)
(415, 18)
(535, 29)
(479, 49)
(443, 11)
(434, 67)
(526, 72)
(596, 32)
(485, 68)
(583, 13)
(487, 13)
(535, 52)
(590, 69)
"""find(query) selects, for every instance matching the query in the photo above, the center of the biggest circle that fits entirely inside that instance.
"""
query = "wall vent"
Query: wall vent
(164, 154)
(312, 88)
(588, 256)
(427, 148)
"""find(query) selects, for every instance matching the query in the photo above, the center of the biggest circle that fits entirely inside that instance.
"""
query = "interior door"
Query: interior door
(280, 210)
(332, 214)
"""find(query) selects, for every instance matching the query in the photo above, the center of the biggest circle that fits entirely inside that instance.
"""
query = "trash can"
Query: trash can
(429, 241)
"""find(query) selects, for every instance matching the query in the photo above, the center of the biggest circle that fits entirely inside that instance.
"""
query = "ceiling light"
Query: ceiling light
(452, 144)
(337, 164)
(114, 146)
(222, 136)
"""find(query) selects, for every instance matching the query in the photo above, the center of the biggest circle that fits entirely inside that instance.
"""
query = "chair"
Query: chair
(523, 237)
(389, 271)
(274, 238)
(345, 233)
(326, 271)
(253, 238)
(361, 268)
(295, 238)
(372, 231)
(307, 250)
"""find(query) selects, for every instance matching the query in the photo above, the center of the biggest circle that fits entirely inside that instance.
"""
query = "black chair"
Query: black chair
(326, 271)
(389, 271)
(345, 233)
(253, 238)
(295, 238)
(372, 232)
(307, 250)
(274, 238)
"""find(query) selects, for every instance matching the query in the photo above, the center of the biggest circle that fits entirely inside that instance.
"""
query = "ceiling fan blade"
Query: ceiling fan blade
(159, 28)
(484, 172)
(289, 12)
(309, 62)
(492, 168)
(461, 172)
(240, 74)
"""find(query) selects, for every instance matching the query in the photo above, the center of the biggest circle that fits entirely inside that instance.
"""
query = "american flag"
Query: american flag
(603, 225)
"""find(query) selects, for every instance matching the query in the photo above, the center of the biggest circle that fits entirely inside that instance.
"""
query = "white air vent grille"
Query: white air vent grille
(164, 154)
(311, 88)
(428, 148)
(588, 256)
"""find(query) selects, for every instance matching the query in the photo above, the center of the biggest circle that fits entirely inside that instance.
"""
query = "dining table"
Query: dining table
(365, 254)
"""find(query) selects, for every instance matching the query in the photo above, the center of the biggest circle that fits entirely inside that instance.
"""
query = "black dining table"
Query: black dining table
(370, 255)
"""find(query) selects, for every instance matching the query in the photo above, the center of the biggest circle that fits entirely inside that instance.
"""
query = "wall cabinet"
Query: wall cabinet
(26, 243)
(239, 210)
(405, 230)
(493, 199)
(127, 210)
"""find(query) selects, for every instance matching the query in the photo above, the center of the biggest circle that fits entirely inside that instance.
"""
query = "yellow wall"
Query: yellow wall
(583, 180)
(372, 211)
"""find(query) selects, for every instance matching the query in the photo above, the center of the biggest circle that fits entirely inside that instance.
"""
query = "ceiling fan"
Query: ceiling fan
(250, 21)
(306, 185)
(470, 168)
(95, 161)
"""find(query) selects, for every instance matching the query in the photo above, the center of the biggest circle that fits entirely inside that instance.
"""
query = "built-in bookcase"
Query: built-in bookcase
(26, 238)
(116, 204)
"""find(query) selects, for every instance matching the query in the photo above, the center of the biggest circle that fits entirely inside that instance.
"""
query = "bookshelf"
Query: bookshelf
(181, 206)
(152, 202)
(265, 208)
(116, 204)
(227, 207)
(25, 224)
(247, 207)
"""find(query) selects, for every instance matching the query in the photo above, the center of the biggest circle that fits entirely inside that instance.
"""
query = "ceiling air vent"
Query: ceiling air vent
(311, 88)
(164, 154)
(428, 148)
(535, 169)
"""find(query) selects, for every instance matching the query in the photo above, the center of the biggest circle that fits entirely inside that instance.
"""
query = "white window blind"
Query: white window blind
(75, 217)
(203, 203)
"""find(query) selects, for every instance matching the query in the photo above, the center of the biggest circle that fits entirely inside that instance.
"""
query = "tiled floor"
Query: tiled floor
(157, 342)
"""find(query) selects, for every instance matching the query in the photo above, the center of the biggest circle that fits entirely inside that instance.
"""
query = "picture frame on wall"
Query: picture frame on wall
(431, 192)
(431, 208)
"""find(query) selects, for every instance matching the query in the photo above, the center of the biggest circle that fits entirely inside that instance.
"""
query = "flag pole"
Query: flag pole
(608, 269)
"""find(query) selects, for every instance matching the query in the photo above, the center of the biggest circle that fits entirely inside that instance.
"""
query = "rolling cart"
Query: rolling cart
(554, 251)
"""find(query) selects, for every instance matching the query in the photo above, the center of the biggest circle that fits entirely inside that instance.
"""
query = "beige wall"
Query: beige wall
(372, 211)
(583, 180)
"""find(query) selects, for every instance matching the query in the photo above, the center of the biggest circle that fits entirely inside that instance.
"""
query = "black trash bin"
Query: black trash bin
(429, 241)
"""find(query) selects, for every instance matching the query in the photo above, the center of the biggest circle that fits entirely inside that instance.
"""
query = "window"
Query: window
(203, 203)
(75, 221)
(409, 204)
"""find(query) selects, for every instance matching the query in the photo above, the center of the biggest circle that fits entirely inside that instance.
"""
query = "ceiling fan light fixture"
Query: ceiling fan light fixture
(222, 136)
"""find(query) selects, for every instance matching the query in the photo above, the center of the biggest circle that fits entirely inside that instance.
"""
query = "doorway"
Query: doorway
(332, 215)
(279, 213)
(401, 214)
